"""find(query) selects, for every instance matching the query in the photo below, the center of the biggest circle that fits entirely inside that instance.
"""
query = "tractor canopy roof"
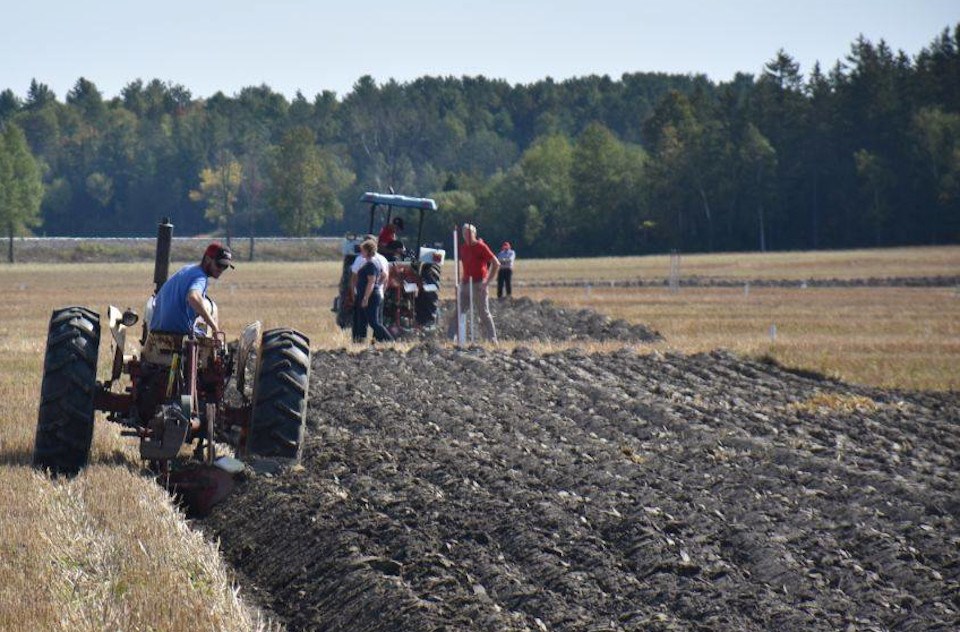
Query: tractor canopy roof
(390, 199)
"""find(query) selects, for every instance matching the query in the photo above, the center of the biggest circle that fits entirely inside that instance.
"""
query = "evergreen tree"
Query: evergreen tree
(39, 95)
(9, 105)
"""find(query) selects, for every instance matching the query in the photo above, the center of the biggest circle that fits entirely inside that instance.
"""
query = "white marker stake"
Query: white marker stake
(473, 335)
(773, 333)
(456, 270)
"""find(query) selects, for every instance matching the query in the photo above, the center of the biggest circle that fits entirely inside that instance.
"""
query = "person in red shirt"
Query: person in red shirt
(478, 265)
(388, 242)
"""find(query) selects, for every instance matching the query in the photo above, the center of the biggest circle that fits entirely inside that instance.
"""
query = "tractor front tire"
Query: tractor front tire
(280, 391)
(65, 422)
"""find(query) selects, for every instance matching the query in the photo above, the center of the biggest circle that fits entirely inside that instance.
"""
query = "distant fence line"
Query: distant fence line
(119, 249)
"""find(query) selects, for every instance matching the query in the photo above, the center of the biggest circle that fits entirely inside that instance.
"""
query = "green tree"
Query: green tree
(9, 105)
(218, 190)
(39, 95)
(305, 183)
(86, 98)
(21, 187)
(453, 207)
(935, 135)
(819, 148)
(606, 178)
(532, 205)
(780, 111)
(100, 188)
(760, 162)
(874, 180)
(546, 194)
(690, 173)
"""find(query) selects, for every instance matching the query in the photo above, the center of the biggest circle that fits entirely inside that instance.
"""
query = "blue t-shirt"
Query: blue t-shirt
(171, 311)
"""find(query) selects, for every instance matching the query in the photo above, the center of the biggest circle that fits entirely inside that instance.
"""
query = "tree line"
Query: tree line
(866, 153)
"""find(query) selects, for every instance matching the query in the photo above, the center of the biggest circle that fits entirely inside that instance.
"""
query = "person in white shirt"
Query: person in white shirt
(371, 279)
(506, 257)
(358, 263)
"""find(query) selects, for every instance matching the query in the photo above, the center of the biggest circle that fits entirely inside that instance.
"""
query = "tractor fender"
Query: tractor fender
(432, 255)
(120, 322)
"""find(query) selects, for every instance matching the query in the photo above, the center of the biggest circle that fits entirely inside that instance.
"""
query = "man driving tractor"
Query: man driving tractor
(180, 308)
(180, 300)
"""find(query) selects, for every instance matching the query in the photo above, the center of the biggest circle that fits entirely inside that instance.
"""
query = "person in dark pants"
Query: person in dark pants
(359, 319)
(359, 316)
(359, 329)
(506, 257)
(370, 284)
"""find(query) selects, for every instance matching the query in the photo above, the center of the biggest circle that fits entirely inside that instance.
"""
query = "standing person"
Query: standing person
(370, 284)
(506, 257)
(478, 265)
(359, 319)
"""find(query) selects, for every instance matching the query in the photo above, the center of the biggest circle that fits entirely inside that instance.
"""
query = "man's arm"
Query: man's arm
(195, 299)
(368, 290)
(494, 268)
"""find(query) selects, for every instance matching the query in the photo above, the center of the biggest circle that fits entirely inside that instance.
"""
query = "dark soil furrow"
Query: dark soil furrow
(466, 489)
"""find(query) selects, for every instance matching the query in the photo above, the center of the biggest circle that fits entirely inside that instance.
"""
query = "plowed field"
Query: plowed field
(474, 489)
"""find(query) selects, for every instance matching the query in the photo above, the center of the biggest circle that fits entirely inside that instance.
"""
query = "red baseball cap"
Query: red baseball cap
(220, 254)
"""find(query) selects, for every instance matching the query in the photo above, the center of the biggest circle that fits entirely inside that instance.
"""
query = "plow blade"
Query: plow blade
(200, 487)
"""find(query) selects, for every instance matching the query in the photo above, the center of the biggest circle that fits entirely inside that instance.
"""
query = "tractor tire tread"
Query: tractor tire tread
(280, 395)
(67, 392)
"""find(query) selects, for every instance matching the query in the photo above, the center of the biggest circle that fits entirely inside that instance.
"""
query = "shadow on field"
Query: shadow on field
(17, 456)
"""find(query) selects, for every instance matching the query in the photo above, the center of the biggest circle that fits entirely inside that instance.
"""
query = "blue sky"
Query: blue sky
(211, 45)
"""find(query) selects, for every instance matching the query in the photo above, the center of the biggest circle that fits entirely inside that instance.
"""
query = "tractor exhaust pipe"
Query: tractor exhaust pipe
(161, 263)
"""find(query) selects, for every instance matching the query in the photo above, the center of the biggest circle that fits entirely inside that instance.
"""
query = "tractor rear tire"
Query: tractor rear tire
(67, 392)
(280, 391)
(427, 305)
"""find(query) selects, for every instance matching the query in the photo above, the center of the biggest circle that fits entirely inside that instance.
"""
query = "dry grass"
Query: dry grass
(847, 264)
(107, 551)
(891, 337)
(829, 403)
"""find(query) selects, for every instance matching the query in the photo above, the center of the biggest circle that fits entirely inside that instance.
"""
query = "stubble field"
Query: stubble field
(891, 337)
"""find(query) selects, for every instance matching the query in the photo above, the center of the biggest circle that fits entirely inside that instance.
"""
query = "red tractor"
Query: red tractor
(411, 299)
(172, 392)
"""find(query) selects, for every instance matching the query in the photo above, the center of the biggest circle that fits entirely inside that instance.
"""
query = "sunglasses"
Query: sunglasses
(222, 266)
